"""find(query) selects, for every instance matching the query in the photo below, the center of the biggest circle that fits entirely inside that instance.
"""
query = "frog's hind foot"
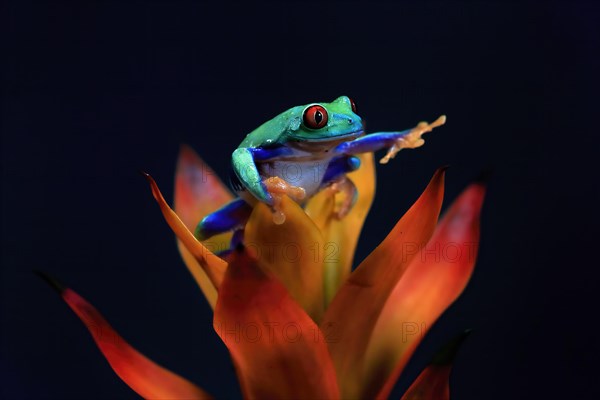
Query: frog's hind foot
(229, 217)
(278, 187)
(347, 188)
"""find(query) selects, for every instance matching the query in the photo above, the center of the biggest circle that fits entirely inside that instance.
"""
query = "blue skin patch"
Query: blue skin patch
(339, 166)
(370, 143)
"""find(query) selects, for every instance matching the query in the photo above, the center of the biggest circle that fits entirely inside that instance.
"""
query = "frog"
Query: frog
(299, 153)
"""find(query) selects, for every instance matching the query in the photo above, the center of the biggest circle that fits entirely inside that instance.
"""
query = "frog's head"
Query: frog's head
(321, 122)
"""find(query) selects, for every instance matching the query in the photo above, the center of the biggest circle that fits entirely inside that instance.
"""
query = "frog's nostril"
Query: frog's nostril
(350, 121)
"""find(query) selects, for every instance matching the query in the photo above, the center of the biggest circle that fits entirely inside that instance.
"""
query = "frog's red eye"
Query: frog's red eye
(353, 105)
(315, 117)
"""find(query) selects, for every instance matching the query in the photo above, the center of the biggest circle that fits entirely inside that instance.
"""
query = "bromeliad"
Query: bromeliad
(298, 322)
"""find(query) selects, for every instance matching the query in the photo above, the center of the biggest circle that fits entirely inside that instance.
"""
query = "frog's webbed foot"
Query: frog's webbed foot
(278, 187)
(346, 187)
(412, 139)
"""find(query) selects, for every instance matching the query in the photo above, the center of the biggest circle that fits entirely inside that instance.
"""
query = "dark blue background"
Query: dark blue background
(92, 92)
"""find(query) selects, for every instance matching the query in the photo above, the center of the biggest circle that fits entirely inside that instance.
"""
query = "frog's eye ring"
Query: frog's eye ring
(315, 117)
(353, 105)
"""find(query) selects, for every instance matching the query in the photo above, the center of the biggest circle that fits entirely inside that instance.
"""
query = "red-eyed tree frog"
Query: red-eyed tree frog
(299, 153)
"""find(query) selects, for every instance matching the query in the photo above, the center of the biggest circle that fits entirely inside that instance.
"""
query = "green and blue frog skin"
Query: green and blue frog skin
(299, 153)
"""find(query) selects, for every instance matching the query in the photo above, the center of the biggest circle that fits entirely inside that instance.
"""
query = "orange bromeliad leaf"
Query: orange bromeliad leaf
(434, 382)
(275, 345)
(198, 192)
(367, 289)
(212, 266)
(341, 236)
(291, 252)
(434, 279)
(141, 374)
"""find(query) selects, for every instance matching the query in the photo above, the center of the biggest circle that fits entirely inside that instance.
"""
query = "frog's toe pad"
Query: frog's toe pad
(278, 217)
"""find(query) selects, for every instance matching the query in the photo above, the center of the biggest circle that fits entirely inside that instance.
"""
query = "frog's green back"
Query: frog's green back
(341, 121)
(275, 130)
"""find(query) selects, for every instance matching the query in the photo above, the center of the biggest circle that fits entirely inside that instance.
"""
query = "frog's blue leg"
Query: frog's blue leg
(244, 165)
(230, 216)
(339, 166)
(371, 142)
(394, 141)
(236, 240)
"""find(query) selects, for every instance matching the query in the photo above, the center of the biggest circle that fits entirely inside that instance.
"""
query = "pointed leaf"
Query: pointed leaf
(277, 348)
(354, 311)
(434, 279)
(341, 236)
(211, 265)
(434, 382)
(146, 378)
(431, 384)
(292, 251)
(198, 192)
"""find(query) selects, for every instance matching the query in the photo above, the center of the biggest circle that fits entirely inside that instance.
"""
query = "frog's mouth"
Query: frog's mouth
(331, 139)
(325, 144)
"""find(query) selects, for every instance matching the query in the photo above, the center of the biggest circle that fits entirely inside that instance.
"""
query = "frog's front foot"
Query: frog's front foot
(413, 138)
(278, 187)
